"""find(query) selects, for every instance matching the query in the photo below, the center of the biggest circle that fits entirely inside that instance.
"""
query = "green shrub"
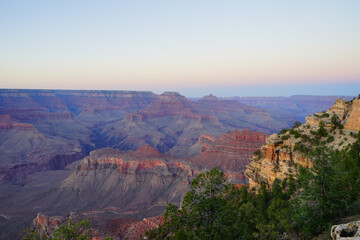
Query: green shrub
(295, 133)
(70, 230)
(283, 131)
(324, 115)
(330, 139)
(296, 124)
(285, 137)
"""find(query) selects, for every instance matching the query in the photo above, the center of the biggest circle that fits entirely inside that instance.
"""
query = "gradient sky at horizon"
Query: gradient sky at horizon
(195, 47)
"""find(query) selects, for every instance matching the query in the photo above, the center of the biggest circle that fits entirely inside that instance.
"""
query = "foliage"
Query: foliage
(295, 133)
(321, 132)
(70, 230)
(300, 207)
(285, 137)
(257, 154)
(327, 191)
(208, 211)
(296, 124)
(283, 131)
(336, 123)
(324, 115)
(330, 139)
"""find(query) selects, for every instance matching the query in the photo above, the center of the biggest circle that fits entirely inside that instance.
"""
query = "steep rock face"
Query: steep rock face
(231, 152)
(124, 181)
(281, 156)
(276, 162)
(25, 147)
(347, 112)
(137, 180)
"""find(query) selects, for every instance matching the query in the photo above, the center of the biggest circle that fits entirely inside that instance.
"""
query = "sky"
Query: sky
(195, 47)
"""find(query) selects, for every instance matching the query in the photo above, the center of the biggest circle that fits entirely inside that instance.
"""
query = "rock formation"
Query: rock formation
(231, 152)
(173, 123)
(345, 231)
(281, 156)
(135, 181)
(116, 228)
(141, 183)
(46, 129)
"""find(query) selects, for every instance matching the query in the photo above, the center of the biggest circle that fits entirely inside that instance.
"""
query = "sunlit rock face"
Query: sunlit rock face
(280, 158)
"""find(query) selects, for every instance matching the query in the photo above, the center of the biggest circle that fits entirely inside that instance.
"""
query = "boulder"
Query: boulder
(344, 231)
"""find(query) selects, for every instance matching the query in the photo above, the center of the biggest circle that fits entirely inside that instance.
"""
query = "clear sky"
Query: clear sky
(195, 47)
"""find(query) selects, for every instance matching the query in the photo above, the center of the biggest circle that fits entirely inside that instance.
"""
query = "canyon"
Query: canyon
(121, 156)
(112, 186)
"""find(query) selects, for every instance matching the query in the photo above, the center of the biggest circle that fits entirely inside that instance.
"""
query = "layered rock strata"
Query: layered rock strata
(280, 156)
(231, 152)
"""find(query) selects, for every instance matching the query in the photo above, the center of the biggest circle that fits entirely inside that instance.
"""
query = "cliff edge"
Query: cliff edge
(283, 153)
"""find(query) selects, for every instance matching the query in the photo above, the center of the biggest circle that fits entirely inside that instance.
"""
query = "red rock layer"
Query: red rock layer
(231, 152)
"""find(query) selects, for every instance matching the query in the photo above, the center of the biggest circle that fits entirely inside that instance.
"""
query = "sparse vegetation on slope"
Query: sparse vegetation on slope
(296, 208)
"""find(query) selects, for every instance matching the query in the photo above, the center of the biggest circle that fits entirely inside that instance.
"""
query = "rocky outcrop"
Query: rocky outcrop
(274, 162)
(345, 231)
(348, 114)
(47, 225)
(353, 116)
(230, 152)
(116, 228)
(281, 155)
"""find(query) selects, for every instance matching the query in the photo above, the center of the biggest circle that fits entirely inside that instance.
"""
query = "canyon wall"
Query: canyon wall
(281, 156)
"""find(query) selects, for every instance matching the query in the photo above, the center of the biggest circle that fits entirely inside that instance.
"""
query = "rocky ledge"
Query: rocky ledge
(344, 231)
(283, 154)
